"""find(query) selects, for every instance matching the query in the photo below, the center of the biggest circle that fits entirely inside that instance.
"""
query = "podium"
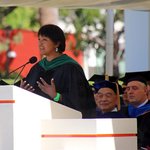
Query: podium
(32, 122)
(21, 113)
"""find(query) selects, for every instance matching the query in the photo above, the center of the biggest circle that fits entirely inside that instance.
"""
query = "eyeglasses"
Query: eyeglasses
(107, 95)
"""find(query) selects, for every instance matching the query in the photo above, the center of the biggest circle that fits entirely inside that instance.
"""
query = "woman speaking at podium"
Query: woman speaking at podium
(57, 76)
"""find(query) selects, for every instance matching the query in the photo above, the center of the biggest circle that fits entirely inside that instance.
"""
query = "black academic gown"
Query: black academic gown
(71, 82)
(144, 130)
(143, 123)
(113, 114)
(143, 126)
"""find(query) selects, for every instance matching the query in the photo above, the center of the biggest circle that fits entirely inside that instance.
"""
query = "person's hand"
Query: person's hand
(46, 88)
(26, 86)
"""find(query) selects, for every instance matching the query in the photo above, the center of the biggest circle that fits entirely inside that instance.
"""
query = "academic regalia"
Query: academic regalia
(142, 76)
(112, 114)
(142, 113)
(96, 78)
(135, 112)
(116, 112)
(143, 123)
(70, 82)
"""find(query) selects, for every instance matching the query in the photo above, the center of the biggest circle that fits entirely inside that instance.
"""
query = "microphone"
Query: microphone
(32, 60)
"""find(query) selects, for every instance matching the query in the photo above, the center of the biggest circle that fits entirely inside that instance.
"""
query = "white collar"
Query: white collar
(143, 103)
(114, 110)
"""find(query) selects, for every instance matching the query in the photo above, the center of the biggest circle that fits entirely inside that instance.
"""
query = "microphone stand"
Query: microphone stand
(23, 66)
(31, 61)
(19, 68)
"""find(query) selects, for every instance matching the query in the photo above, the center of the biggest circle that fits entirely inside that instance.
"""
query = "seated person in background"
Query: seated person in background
(143, 74)
(139, 107)
(107, 100)
(124, 96)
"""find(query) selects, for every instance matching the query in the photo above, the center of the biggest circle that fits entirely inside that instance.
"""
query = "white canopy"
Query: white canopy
(106, 4)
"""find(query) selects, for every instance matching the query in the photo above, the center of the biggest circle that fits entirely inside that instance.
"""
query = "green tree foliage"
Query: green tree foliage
(19, 18)
(88, 22)
(90, 25)
(85, 21)
(4, 11)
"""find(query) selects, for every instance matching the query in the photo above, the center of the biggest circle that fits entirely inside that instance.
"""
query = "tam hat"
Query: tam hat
(98, 78)
(141, 76)
(105, 84)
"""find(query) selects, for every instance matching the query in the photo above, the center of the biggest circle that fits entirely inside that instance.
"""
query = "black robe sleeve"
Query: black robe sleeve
(76, 93)
(70, 82)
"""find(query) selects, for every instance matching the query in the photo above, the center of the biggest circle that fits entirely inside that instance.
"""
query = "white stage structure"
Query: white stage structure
(89, 134)
(31, 122)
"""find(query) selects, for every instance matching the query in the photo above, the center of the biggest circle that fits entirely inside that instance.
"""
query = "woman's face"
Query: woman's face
(46, 46)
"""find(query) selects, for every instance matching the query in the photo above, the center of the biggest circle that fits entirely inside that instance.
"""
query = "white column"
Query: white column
(109, 42)
(137, 37)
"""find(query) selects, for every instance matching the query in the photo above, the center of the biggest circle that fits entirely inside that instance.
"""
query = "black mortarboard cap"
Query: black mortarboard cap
(141, 76)
(107, 84)
(98, 78)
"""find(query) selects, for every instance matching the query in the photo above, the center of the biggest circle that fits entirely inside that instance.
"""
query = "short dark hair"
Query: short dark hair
(54, 33)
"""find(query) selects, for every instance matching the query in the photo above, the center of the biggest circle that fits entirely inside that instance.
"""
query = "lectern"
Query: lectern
(21, 113)
(31, 122)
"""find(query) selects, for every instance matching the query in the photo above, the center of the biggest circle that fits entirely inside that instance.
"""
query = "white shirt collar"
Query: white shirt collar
(143, 103)
(114, 110)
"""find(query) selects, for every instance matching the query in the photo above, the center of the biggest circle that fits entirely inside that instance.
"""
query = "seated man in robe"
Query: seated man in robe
(107, 100)
(139, 106)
